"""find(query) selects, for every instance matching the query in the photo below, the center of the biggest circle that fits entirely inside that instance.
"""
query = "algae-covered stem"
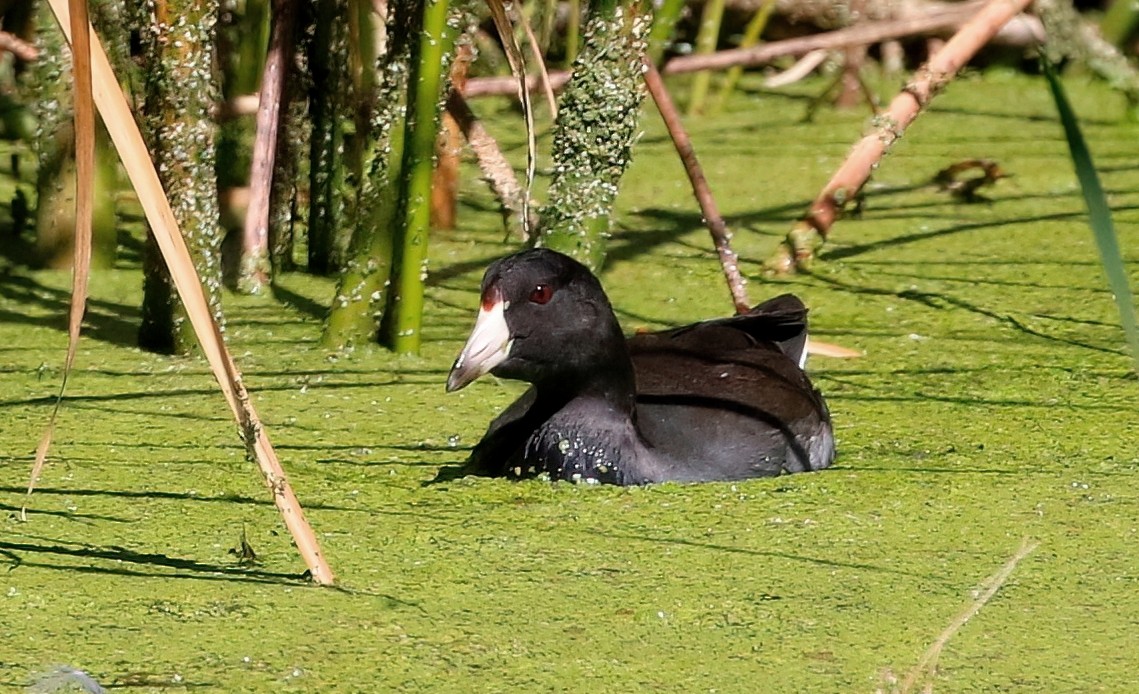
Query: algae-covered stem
(410, 258)
(811, 231)
(255, 260)
(54, 147)
(329, 222)
(721, 237)
(666, 14)
(594, 133)
(362, 293)
(117, 117)
(177, 38)
(573, 30)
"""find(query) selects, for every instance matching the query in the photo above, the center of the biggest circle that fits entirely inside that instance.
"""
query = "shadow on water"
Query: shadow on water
(105, 321)
(464, 267)
(148, 564)
(859, 249)
(110, 681)
(86, 518)
(420, 377)
(877, 205)
(299, 302)
(155, 565)
(224, 499)
(831, 563)
(167, 496)
(449, 473)
(941, 302)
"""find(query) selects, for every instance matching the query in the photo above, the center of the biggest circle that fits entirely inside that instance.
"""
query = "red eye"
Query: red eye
(542, 293)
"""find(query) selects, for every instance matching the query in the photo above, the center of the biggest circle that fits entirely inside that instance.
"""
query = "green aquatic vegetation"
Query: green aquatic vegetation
(1099, 213)
(994, 403)
(596, 127)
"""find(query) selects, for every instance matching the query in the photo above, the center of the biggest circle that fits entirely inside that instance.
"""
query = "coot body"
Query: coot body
(723, 399)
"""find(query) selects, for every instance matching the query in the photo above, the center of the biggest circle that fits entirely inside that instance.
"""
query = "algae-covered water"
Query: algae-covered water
(994, 403)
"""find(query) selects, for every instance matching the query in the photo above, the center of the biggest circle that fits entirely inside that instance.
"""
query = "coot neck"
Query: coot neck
(611, 382)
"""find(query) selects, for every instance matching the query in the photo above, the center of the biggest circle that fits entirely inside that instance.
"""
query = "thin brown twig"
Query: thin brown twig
(721, 237)
(938, 20)
(540, 63)
(811, 231)
(505, 27)
(18, 47)
(927, 665)
(448, 147)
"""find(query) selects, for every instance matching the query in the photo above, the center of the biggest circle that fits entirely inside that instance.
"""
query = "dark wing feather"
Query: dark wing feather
(723, 390)
(781, 321)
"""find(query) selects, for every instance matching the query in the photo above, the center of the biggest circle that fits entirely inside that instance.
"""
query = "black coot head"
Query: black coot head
(543, 317)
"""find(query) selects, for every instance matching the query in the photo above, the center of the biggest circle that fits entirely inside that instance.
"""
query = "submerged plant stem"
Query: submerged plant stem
(928, 663)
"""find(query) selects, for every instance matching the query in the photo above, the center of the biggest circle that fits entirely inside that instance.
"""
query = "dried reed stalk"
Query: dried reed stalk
(493, 165)
(120, 124)
(502, 23)
(84, 116)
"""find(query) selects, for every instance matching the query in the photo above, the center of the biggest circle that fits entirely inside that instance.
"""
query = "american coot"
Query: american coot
(724, 399)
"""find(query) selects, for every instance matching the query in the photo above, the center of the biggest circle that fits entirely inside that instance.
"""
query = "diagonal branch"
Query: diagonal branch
(721, 237)
(811, 231)
(935, 22)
